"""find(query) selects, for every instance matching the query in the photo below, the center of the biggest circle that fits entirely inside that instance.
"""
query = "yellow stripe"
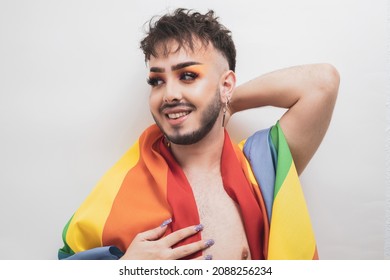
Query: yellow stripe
(86, 228)
(291, 235)
(252, 177)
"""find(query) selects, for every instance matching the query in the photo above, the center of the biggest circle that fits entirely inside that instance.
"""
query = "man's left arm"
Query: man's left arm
(308, 91)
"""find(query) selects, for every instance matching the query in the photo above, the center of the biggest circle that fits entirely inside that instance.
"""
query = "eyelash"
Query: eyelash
(153, 81)
(192, 76)
(185, 77)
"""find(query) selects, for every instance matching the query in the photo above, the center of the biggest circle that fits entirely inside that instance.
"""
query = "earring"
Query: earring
(224, 111)
(167, 142)
(224, 114)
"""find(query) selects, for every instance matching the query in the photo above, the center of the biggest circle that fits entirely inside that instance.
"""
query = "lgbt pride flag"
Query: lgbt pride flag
(147, 186)
(290, 234)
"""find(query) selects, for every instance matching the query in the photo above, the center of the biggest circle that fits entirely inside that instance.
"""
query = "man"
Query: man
(211, 197)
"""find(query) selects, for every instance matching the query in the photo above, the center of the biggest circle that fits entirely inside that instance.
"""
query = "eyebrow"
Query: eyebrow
(174, 67)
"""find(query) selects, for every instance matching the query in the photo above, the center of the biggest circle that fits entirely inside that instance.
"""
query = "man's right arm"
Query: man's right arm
(308, 92)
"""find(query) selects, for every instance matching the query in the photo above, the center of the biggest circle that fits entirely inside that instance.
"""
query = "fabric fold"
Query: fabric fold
(147, 186)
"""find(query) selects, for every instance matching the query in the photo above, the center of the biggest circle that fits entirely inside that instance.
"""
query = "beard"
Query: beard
(208, 119)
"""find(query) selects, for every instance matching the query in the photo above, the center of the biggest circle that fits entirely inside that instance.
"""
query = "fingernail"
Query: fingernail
(166, 222)
(209, 243)
(198, 227)
(208, 257)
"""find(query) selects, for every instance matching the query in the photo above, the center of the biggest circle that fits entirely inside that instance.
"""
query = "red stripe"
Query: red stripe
(181, 199)
(239, 188)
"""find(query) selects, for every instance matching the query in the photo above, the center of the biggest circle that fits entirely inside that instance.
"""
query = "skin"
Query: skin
(309, 93)
(213, 85)
(174, 85)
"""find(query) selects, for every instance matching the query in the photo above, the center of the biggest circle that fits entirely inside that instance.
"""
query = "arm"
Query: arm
(308, 92)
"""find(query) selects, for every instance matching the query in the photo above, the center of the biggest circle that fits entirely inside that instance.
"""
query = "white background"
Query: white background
(73, 98)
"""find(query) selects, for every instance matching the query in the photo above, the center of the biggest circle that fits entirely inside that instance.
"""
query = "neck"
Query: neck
(203, 155)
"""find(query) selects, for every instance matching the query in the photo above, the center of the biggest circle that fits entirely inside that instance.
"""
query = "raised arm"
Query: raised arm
(308, 91)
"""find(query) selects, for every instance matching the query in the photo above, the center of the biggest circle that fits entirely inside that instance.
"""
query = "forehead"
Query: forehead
(170, 53)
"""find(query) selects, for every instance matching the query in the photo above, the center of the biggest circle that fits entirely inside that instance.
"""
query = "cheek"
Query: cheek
(205, 90)
(154, 102)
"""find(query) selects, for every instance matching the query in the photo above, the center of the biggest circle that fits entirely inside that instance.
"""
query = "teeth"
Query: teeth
(177, 115)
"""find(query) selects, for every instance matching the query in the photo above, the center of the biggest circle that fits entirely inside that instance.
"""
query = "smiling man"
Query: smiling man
(185, 190)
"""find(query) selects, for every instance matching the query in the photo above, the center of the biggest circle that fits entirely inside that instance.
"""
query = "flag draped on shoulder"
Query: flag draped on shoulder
(147, 186)
(290, 234)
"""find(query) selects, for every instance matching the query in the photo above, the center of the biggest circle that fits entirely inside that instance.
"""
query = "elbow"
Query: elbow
(329, 80)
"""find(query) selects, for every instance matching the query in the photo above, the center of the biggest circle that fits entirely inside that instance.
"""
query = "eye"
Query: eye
(155, 81)
(188, 76)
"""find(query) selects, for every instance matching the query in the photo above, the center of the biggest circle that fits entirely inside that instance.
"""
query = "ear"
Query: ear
(227, 85)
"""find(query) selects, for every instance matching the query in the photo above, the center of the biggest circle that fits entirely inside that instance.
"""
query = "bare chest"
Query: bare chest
(220, 217)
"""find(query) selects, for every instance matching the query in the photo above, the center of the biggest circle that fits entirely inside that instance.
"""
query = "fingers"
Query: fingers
(151, 245)
(155, 233)
(188, 249)
(203, 257)
(191, 248)
(181, 234)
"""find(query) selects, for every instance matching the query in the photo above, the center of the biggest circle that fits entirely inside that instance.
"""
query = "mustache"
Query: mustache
(176, 104)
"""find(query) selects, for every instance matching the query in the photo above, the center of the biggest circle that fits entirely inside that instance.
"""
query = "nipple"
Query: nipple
(245, 254)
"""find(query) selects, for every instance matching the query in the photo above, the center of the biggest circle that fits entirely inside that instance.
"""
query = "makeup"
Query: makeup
(186, 72)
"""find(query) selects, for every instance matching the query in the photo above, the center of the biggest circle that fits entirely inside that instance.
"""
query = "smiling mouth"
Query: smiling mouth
(174, 116)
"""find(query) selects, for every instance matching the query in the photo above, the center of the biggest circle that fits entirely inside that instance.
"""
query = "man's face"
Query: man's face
(185, 100)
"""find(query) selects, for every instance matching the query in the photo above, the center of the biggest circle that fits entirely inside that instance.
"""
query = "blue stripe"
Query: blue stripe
(262, 156)
(99, 253)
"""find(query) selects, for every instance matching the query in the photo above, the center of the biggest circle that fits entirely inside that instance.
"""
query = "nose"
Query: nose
(172, 92)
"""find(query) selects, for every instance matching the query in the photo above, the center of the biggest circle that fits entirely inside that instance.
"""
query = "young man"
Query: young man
(217, 200)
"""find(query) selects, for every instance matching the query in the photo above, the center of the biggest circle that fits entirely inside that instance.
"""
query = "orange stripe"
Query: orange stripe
(86, 227)
(316, 257)
(144, 188)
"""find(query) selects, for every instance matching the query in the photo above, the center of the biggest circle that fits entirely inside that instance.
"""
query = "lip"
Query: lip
(176, 109)
(178, 121)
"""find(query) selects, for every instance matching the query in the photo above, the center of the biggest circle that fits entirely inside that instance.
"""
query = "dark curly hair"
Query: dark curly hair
(184, 26)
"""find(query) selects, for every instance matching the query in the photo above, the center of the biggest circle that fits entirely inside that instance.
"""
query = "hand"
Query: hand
(149, 245)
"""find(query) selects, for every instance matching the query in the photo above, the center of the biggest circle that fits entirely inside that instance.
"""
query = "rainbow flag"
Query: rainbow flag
(146, 186)
(290, 234)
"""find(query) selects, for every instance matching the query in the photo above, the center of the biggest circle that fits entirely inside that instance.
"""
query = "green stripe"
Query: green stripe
(284, 156)
(65, 251)
(274, 136)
